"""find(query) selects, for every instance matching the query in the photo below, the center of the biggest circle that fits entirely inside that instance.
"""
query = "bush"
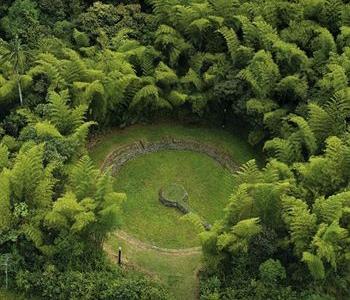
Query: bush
(104, 285)
(272, 272)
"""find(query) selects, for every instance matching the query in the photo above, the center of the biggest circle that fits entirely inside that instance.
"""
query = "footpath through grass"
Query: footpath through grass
(178, 273)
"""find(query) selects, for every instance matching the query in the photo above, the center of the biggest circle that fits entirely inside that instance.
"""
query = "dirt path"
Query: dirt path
(120, 234)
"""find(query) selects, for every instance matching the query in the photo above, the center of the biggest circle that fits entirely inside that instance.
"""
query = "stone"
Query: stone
(175, 195)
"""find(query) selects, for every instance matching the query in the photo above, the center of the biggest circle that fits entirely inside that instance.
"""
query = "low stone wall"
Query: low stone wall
(121, 155)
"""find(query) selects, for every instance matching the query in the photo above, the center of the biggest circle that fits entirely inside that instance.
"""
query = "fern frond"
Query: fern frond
(315, 265)
(80, 133)
(248, 173)
(328, 210)
(328, 241)
(260, 106)
(33, 234)
(82, 178)
(301, 223)
(305, 133)
(241, 234)
(177, 98)
(46, 129)
(43, 193)
(240, 207)
(282, 149)
(27, 172)
(165, 75)
(193, 78)
(5, 205)
(104, 187)
(195, 220)
(232, 41)
(320, 121)
(4, 156)
(201, 25)
(82, 220)
(224, 8)
(7, 90)
(148, 93)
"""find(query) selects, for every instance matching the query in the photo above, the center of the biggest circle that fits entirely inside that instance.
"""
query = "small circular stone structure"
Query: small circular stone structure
(175, 195)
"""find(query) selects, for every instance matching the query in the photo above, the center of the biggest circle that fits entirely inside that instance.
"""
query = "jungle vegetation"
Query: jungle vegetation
(280, 68)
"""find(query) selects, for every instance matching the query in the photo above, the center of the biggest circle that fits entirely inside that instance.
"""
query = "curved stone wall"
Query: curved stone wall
(121, 155)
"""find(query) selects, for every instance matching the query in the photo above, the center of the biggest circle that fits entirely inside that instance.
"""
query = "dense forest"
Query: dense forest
(69, 68)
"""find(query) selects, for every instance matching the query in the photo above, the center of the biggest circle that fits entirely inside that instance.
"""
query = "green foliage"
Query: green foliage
(3, 156)
(5, 202)
(27, 173)
(261, 74)
(195, 220)
(300, 139)
(271, 271)
(241, 233)
(278, 68)
(22, 20)
(301, 222)
(315, 265)
(62, 116)
(101, 284)
(289, 57)
(171, 43)
(312, 229)
(81, 38)
(231, 41)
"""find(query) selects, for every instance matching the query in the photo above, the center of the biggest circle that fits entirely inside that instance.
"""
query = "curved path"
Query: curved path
(146, 246)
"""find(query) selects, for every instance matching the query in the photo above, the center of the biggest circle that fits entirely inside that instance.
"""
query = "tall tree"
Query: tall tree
(16, 54)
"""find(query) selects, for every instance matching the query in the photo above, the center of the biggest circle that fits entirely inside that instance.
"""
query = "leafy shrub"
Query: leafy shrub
(100, 285)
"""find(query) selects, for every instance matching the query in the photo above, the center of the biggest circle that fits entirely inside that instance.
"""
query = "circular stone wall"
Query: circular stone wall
(203, 169)
(120, 156)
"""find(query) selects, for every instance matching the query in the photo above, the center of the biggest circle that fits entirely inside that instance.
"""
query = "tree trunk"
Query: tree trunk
(20, 91)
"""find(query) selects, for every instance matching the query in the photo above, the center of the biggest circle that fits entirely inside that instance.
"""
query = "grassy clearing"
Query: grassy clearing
(207, 183)
(177, 273)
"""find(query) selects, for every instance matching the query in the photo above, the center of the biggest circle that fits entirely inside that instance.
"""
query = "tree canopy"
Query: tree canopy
(279, 69)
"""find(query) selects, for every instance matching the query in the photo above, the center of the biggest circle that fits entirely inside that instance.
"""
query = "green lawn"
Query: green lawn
(207, 183)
